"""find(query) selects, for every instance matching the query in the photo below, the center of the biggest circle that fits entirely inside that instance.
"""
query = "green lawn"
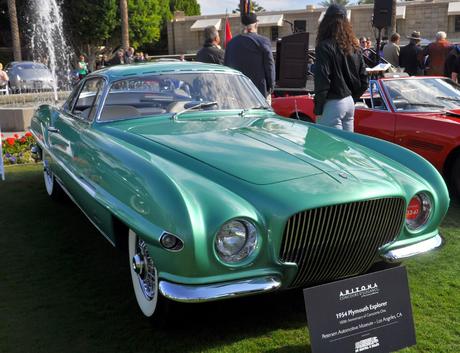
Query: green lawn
(63, 288)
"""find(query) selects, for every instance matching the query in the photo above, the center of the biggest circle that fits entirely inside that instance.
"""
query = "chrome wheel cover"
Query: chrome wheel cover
(145, 269)
(48, 176)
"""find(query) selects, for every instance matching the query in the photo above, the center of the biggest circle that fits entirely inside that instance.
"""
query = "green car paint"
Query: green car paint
(189, 176)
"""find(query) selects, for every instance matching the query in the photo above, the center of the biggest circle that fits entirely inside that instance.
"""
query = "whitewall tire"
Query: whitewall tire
(143, 274)
(53, 189)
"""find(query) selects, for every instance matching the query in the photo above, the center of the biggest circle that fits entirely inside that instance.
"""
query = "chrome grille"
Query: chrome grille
(341, 240)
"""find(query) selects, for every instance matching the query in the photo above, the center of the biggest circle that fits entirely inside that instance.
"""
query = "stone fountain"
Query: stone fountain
(48, 46)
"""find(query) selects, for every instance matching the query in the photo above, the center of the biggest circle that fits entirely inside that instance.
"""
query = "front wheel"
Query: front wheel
(144, 275)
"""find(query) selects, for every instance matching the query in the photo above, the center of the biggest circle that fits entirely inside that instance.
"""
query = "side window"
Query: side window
(375, 100)
(69, 103)
(86, 102)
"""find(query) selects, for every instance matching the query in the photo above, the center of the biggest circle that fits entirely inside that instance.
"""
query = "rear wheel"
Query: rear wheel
(52, 187)
(455, 178)
(144, 275)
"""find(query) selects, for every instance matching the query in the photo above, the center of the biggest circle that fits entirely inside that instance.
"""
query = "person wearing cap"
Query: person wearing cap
(437, 53)
(411, 55)
(340, 73)
(251, 54)
(211, 52)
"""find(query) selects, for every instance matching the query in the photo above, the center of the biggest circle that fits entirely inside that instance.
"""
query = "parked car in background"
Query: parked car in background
(27, 76)
(215, 196)
(419, 113)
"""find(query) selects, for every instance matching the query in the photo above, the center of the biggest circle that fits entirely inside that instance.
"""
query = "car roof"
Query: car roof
(25, 62)
(139, 69)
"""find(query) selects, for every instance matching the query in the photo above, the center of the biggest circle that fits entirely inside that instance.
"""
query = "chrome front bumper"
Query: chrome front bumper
(397, 255)
(226, 290)
(217, 291)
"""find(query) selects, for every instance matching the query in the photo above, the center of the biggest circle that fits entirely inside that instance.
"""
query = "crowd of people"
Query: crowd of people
(128, 56)
(439, 58)
(339, 70)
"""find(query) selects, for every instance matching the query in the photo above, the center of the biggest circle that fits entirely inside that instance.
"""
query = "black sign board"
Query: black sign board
(370, 313)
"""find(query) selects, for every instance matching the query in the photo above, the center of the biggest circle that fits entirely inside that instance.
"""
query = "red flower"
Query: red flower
(23, 140)
(2, 135)
(10, 141)
(28, 134)
(16, 136)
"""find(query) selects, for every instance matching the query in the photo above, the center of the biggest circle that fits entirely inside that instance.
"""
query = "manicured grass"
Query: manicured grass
(63, 288)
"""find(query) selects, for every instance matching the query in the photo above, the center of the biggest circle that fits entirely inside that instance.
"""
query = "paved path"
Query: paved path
(11, 134)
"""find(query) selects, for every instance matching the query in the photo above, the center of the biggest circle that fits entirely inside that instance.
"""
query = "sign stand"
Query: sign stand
(2, 167)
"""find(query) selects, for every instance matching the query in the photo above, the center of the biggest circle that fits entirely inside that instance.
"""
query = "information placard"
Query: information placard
(369, 313)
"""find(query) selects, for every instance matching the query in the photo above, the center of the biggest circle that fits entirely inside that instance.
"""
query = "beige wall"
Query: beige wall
(428, 17)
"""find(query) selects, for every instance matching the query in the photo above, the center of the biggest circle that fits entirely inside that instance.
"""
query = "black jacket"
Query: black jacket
(210, 54)
(410, 57)
(252, 55)
(337, 75)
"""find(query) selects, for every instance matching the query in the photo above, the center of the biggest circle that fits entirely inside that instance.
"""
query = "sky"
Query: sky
(209, 7)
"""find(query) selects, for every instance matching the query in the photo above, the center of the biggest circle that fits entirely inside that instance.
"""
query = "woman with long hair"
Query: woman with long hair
(340, 73)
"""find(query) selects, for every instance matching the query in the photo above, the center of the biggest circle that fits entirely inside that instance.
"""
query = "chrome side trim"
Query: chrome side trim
(405, 252)
(218, 291)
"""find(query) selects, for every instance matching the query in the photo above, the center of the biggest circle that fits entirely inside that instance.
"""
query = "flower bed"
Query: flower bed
(16, 149)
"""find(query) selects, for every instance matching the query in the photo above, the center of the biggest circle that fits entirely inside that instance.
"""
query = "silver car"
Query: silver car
(26, 76)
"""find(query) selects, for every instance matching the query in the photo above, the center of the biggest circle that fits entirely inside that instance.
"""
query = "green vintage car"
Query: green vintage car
(214, 196)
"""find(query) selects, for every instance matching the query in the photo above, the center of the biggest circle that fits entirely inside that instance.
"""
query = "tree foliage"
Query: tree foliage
(144, 21)
(91, 23)
(327, 3)
(190, 7)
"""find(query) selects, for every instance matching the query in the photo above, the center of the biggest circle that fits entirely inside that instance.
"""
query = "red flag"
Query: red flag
(228, 32)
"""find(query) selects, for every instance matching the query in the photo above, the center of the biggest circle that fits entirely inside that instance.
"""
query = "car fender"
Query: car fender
(175, 200)
(406, 158)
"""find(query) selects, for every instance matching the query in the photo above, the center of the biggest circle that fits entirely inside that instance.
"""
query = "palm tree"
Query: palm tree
(255, 7)
(124, 24)
(14, 30)
(327, 3)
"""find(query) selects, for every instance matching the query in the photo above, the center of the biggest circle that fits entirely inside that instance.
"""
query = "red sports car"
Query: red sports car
(420, 113)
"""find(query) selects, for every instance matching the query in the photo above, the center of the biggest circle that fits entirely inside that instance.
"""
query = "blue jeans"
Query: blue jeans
(338, 113)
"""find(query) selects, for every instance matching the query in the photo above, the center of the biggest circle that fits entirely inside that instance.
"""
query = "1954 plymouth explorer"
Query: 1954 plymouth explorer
(215, 196)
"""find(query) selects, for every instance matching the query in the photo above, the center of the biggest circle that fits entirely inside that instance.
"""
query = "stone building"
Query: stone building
(185, 33)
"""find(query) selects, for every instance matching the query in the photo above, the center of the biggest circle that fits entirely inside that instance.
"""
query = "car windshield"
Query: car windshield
(172, 93)
(423, 95)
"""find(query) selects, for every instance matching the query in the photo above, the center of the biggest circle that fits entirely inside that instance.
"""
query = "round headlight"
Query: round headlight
(236, 240)
(418, 211)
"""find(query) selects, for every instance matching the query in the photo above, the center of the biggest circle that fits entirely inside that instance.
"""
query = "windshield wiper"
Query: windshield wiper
(451, 99)
(426, 105)
(259, 107)
(264, 107)
(196, 106)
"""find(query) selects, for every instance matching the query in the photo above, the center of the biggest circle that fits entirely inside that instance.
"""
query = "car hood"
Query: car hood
(261, 150)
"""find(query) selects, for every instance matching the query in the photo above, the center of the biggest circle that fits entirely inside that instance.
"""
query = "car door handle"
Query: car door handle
(53, 130)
